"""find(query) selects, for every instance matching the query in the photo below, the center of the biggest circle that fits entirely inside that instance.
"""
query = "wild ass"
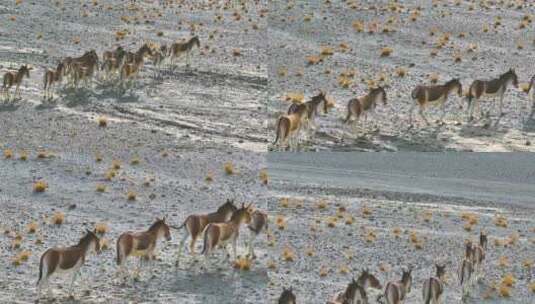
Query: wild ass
(259, 223)
(287, 296)
(364, 105)
(312, 110)
(433, 95)
(177, 49)
(64, 260)
(396, 292)
(112, 61)
(355, 292)
(50, 78)
(289, 127)
(490, 88)
(196, 223)
(434, 286)
(219, 234)
(14, 78)
(477, 254)
(82, 67)
(466, 276)
(133, 64)
(141, 244)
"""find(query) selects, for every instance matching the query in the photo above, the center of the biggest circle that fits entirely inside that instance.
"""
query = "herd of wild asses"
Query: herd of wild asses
(118, 66)
(395, 292)
(217, 229)
(300, 117)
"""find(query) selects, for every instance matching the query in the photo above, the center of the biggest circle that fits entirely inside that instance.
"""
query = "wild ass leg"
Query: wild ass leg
(74, 275)
(252, 238)
(234, 247)
(181, 246)
(421, 112)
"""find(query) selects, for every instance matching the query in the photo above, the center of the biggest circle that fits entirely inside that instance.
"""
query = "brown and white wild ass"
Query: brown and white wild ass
(14, 78)
(364, 105)
(396, 292)
(196, 223)
(433, 95)
(490, 88)
(177, 49)
(259, 223)
(289, 127)
(50, 79)
(220, 234)
(312, 110)
(65, 260)
(141, 244)
(287, 296)
(356, 291)
(434, 286)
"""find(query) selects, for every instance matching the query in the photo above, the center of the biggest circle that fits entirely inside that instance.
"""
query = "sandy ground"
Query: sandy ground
(315, 212)
(168, 133)
(302, 28)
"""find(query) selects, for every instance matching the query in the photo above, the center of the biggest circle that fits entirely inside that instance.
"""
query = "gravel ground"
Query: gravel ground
(298, 29)
(169, 133)
(328, 250)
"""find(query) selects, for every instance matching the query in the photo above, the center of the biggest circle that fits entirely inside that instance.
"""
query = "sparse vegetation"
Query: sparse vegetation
(40, 186)
(229, 168)
(58, 218)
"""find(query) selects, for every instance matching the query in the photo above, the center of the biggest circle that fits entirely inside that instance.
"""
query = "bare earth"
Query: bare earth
(168, 133)
(302, 28)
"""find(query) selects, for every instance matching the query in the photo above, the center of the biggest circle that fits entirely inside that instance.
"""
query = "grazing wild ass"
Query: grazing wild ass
(490, 88)
(312, 110)
(259, 223)
(64, 260)
(289, 127)
(177, 49)
(433, 95)
(141, 244)
(287, 296)
(15, 78)
(396, 292)
(364, 105)
(220, 234)
(434, 286)
(196, 223)
(50, 79)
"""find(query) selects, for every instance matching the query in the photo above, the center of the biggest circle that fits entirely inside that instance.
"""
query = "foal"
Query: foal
(50, 78)
(63, 260)
(289, 126)
(196, 223)
(287, 296)
(434, 95)
(490, 88)
(396, 292)
(364, 104)
(219, 234)
(434, 286)
(15, 78)
(141, 244)
(177, 49)
(259, 223)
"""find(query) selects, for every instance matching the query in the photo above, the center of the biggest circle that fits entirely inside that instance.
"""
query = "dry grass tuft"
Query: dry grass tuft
(23, 155)
(313, 59)
(508, 280)
(263, 175)
(8, 153)
(116, 164)
(396, 232)
(280, 222)
(102, 121)
(324, 271)
(131, 195)
(229, 168)
(40, 186)
(209, 177)
(400, 72)
(294, 97)
(532, 287)
(331, 221)
(101, 188)
(321, 204)
(504, 291)
(288, 254)
(236, 52)
(243, 264)
(358, 26)
(32, 227)
(503, 262)
(58, 218)
(386, 51)
(110, 174)
(500, 221)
